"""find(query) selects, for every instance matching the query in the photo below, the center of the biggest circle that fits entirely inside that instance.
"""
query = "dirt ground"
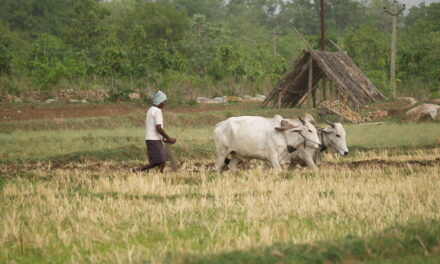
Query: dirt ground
(193, 167)
(16, 112)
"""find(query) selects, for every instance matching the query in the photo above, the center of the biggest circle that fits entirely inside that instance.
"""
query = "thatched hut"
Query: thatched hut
(311, 66)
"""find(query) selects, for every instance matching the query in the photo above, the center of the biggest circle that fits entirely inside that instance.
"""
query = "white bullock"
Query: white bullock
(332, 138)
(268, 139)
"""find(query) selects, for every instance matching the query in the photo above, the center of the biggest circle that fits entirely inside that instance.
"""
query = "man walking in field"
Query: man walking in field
(155, 134)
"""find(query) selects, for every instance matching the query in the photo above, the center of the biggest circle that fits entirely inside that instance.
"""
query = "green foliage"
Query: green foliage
(369, 48)
(160, 22)
(85, 27)
(51, 60)
(201, 44)
(43, 42)
(119, 95)
(111, 59)
(5, 54)
(420, 55)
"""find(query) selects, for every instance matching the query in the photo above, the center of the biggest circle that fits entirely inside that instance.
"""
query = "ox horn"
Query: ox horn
(330, 123)
(284, 126)
(302, 121)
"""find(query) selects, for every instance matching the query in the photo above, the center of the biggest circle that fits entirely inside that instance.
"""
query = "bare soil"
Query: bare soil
(18, 169)
(387, 163)
(392, 107)
(14, 112)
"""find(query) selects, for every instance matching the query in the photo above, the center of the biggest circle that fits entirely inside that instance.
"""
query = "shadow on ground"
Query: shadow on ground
(416, 242)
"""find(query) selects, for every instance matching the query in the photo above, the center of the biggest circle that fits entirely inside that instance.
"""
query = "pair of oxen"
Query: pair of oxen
(276, 141)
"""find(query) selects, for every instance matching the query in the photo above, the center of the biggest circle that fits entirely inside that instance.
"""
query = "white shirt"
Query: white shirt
(154, 117)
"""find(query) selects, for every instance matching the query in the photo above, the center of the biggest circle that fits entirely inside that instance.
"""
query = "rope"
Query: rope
(200, 149)
(306, 139)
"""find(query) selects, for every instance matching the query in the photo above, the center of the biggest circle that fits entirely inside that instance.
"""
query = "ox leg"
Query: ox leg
(267, 165)
(308, 159)
(233, 164)
(311, 164)
(220, 161)
(293, 163)
(294, 159)
(275, 163)
(317, 158)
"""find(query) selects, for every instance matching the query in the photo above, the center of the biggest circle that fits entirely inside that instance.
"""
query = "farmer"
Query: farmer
(155, 134)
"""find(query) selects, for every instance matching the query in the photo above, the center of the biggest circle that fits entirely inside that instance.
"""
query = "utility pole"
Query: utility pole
(274, 43)
(324, 89)
(322, 26)
(394, 13)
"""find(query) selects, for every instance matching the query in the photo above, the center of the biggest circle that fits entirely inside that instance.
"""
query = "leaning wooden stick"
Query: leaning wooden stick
(171, 157)
(186, 125)
(173, 162)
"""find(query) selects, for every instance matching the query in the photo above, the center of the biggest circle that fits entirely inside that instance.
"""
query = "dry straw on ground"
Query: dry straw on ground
(109, 215)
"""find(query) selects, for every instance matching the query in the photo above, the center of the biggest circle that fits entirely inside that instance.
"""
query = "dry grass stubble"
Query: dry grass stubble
(118, 217)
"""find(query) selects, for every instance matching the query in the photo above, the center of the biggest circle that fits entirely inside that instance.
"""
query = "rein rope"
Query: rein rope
(306, 139)
(323, 146)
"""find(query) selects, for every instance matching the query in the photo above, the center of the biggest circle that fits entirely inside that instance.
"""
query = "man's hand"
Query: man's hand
(170, 141)
(164, 135)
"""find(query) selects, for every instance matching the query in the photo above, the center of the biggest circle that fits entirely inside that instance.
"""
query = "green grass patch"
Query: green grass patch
(392, 135)
(196, 142)
(418, 242)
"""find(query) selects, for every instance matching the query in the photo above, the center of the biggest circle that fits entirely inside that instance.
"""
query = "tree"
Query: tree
(368, 46)
(86, 26)
(32, 17)
(420, 55)
(159, 21)
(342, 14)
(303, 15)
(201, 44)
(5, 54)
(212, 10)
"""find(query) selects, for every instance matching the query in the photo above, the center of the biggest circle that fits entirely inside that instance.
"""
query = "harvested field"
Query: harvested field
(67, 195)
(43, 111)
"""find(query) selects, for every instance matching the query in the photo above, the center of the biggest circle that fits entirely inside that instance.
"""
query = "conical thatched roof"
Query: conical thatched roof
(335, 66)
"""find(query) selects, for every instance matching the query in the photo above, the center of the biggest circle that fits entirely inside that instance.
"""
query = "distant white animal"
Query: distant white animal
(332, 138)
(268, 139)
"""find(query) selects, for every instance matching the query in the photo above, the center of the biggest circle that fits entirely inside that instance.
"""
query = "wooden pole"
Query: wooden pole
(324, 88)
(309, 89)
(279, 99)
(302, 38)
(274, 43)
(394, 13)
(330, 90)
(336, 45)
(171, 157)
(314, 98)
(322, 26)
(393, 51)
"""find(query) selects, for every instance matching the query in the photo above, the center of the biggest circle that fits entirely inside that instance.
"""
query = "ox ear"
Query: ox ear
(309, 118)
(327, 129)
(330, 123)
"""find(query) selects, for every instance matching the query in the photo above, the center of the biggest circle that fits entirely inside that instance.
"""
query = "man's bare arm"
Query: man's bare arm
(161, 131)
